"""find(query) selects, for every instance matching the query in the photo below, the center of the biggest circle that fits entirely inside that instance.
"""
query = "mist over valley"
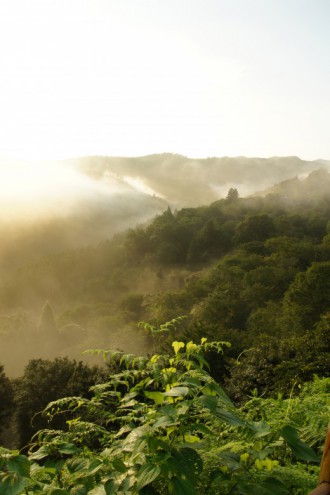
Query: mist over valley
(48, 207)
(65, 242)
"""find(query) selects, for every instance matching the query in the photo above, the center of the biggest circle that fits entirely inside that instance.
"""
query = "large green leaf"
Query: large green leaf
(119, 465)
(40, 453)
(269, 486)
(67, 448)
(54, 464)
(223, 396)
(260, 429)
(128, 481)
(192, 382)
(111, 487)
(210, 402)
(177, 346)
(12, 484)
(231, 460)
(182, 486)
(200, 427)
(177, 392)
(20, 465)
(134, 438)
(77, 465)
(164, 421)
(169, 410)
(189, 462)
(94, 467)
(157, 397)
(300, 449)
(229, 417)
(147, 474)
(214, 389)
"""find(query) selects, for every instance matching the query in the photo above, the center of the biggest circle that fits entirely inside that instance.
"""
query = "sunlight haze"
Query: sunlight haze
(129, 78)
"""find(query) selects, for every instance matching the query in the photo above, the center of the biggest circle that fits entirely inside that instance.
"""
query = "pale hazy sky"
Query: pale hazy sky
(135, 77)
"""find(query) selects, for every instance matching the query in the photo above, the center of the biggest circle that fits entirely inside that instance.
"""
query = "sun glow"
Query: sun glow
(38, 189)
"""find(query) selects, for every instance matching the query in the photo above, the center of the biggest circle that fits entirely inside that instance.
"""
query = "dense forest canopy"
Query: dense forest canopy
(240, 269)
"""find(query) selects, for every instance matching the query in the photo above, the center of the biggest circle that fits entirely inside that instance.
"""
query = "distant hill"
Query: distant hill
(313, 187)
(184, 181)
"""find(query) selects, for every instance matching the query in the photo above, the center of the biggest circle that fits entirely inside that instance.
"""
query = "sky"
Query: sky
(135, 77)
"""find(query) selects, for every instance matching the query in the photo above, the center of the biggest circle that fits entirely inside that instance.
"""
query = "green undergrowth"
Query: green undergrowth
(163, 425)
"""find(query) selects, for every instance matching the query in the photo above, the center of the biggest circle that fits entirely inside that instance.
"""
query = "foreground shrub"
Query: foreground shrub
(162, 426)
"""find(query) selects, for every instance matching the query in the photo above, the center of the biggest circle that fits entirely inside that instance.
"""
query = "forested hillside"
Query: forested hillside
(245, 270)
(232, 296)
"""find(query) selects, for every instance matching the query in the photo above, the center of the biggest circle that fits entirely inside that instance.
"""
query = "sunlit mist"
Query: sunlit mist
(140, 185)
(39, 189)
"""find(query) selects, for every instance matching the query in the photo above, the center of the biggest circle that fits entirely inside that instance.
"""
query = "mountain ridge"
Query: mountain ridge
(185, 181)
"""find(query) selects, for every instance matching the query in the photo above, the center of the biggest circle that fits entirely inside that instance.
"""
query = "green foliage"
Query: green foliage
(44, 381)
(255, 228)
(275, 365)
(6, 399)
(307, 298)
(163, 426)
